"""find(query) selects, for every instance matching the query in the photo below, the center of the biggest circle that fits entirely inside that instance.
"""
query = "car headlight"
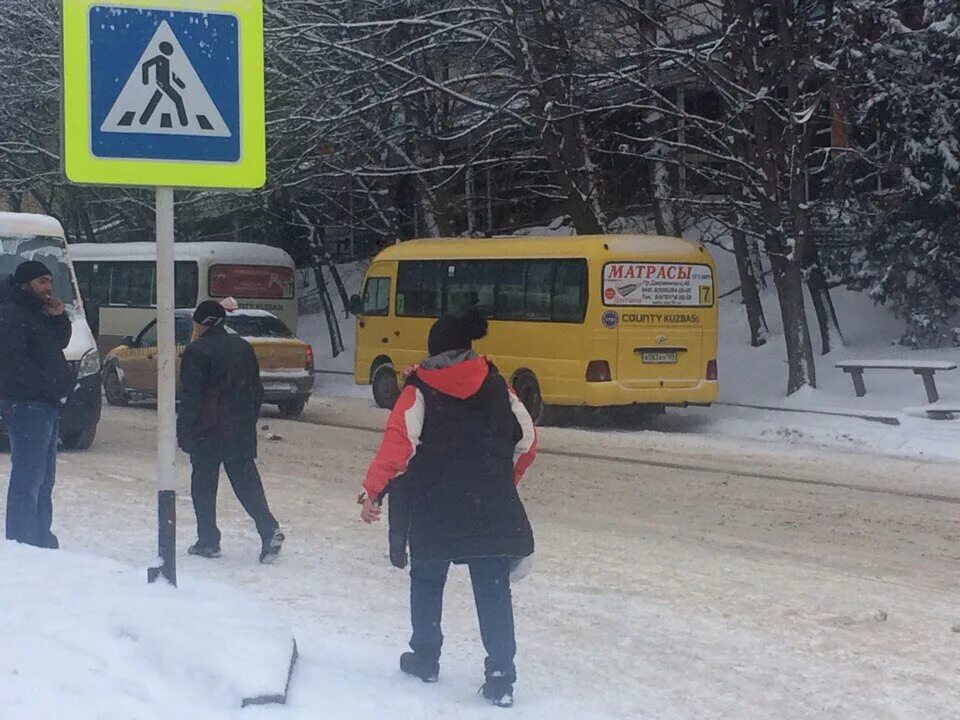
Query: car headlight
(89, 364)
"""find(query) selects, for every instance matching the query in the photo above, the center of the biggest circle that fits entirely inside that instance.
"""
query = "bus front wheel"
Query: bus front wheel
(386, 390)
(527, 388)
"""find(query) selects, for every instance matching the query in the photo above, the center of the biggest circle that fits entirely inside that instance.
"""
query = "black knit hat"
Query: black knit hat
(29, 271)
(209, 313)
(456, 333)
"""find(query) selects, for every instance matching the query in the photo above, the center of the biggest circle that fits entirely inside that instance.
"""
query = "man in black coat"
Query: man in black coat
(220, 395)
(34, 378)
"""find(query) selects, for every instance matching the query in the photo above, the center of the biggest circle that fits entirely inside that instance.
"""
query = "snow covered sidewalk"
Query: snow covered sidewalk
(84, 637)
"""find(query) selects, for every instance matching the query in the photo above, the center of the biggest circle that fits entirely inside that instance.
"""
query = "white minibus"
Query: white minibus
(120, 280)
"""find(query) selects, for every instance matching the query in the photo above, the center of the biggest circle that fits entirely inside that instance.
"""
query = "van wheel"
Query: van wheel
(292, 408)
(79, 440)
(114, 390)
(386, 390)
(527, 388)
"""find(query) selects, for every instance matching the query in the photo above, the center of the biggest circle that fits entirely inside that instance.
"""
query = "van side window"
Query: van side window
(376, 296)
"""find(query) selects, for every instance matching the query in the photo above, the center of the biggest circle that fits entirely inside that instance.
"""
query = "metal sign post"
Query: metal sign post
(166, 393)
(164, 94)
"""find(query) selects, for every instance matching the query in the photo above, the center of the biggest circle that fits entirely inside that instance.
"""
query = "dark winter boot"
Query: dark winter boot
(420, 667)
(271, 547)
(498, 690)
(204, 551)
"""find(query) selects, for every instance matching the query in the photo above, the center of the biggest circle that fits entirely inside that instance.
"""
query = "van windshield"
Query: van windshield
(48, 250)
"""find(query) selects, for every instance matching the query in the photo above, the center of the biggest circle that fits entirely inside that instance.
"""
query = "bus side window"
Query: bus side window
(376, 297)
(186, 284)
(419, 288)
(510, 291)
(94, 281)
(472, 284)
(569, 292)
(539, 288)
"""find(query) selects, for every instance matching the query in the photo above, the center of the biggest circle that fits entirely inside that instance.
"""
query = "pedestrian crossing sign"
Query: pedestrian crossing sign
(164, 93)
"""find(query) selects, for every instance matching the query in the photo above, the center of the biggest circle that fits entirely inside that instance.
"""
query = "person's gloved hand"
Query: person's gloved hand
(398, 557)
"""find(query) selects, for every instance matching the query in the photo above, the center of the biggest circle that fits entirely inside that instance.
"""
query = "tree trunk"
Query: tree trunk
(788, 280)
(748, 289)
(830, 334)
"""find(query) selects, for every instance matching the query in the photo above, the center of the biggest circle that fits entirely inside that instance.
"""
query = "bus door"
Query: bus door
(663, 310)
(375, 332)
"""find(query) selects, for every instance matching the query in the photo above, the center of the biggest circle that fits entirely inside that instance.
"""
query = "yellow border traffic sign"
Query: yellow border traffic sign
(81, 165)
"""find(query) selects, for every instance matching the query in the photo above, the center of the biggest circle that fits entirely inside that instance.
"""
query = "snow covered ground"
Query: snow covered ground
(678, 577)
(86, 637)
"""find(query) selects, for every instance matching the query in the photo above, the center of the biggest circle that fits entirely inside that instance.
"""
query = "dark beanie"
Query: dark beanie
(30, 271)
(209, 313)
(456, 333)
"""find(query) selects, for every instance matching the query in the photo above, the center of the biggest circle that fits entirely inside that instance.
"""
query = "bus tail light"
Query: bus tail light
(712, 370)
(599, 371)
(308, 364)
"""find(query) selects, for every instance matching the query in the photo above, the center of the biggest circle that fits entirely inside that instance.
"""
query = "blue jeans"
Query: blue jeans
(491, 592)
(32, 429)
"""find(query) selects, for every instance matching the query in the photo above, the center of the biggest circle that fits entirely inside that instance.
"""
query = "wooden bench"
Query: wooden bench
(923, 368)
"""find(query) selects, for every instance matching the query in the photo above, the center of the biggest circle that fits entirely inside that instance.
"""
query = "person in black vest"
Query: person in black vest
(220, 395)
(34, 379)
(462, 440)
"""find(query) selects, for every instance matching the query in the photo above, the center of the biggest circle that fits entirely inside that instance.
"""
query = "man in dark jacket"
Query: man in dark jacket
(220, 395)
(461, 440)
(34, 378)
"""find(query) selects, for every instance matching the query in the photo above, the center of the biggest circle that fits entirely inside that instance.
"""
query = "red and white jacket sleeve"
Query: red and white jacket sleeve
(525, 451)
(400, 442)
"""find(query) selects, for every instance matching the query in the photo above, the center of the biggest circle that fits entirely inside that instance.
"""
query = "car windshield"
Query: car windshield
(48, 250)
(259, 326)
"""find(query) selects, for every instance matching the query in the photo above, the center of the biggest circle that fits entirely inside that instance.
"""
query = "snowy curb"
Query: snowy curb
(279, 698)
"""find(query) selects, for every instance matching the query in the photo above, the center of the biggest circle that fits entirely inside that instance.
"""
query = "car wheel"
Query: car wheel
(79, 440)
(386, 390)
(292, 408)
(114, 390)
(527, 388)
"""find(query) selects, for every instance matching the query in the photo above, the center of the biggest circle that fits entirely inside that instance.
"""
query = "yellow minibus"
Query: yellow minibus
(595, 321)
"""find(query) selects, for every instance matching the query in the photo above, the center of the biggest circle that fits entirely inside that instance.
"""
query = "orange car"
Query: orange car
(286, 363)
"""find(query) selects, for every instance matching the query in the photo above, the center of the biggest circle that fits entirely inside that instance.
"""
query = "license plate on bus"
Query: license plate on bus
(659, 358)
(280, 387)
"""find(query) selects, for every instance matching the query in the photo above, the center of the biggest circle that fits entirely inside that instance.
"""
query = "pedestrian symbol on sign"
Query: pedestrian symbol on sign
(164, 95)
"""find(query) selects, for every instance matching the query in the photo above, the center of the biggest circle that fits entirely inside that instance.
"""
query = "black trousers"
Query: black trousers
(491, 591)
(247, 486)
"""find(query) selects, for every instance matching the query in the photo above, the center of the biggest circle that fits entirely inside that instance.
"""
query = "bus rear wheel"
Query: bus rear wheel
(527, 388)
(386, 390)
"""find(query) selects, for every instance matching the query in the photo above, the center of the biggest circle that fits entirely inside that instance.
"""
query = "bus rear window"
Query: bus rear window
(251, 281)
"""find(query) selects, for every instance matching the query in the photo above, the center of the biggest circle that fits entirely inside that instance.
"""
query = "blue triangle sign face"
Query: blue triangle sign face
(164, 84)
